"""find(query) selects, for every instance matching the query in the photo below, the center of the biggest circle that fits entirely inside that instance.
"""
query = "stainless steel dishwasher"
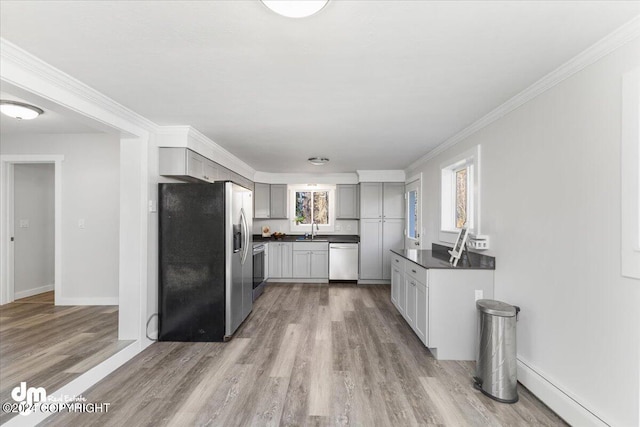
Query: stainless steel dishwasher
(343, 261)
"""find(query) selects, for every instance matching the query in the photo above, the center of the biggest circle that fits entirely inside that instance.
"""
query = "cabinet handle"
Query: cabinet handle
(414, 271)
(413, 283)
(397, 260)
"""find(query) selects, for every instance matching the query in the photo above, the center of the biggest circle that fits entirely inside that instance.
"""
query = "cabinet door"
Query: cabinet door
(411, 305)
(278, 200)
(346, 201)
(210, 173)
(392, 238)
(393, 200)
(195, 165)
(301, 264)
(422, 312)
(396, 279)
(275, 260)
(320, 264)
(370, 249)
(262, 200)
(371, 200)
(402, 294)
(287, 258)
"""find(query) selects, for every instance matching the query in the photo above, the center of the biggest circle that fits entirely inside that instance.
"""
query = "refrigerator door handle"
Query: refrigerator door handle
(245, 228)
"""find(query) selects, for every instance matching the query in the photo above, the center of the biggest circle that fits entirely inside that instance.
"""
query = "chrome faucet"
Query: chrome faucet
(317, 229)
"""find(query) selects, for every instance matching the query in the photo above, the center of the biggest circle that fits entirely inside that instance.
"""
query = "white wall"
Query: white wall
(551, 205)
(34, 229)
(90, 191)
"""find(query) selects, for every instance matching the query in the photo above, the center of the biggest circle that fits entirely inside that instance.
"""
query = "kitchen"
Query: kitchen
(540, 120)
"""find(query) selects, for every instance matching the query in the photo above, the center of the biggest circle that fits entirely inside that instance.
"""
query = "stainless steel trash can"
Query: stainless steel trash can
(496, 374)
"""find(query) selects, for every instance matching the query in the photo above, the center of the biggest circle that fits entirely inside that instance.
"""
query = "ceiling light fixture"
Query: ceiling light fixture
(19, 110)
(295, 8)
(318, 161)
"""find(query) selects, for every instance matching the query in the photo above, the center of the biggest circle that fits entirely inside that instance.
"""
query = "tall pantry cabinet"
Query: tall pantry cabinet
(381, 228)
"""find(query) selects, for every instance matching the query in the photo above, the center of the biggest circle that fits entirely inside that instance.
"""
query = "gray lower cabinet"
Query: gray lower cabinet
(392, 238)
(347, 201)
(310, 260)
(370, 249)
(280, 257)
(438, 304)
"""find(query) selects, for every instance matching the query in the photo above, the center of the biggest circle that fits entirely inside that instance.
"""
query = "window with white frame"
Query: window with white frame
(460, 195)
(312, 204)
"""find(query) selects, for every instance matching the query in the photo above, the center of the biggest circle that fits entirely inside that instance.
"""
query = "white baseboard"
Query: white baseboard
(87, 301)
(32, 292)
(559, 400)
(79, 385)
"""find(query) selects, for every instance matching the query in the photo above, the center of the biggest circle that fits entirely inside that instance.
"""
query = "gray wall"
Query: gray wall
(34, 240)
(91, 192)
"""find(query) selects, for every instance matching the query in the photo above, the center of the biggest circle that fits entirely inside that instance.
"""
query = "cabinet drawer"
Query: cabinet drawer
(417, 272)
(397, 261)
(310, 246)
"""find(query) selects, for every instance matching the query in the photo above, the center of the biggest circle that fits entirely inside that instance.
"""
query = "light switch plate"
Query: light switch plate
(81, 223)
(479, 294)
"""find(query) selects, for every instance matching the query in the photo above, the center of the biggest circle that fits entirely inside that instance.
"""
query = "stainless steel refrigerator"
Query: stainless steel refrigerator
(206, 266)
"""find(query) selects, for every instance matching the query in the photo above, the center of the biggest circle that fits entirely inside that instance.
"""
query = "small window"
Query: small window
(312, 207)
(459, 195)
(312, 204)
(413, 215)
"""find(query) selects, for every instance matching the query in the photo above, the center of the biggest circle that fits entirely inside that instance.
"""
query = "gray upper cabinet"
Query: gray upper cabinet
(278, 201)
(187, 165)
(393, 200)
(371, 200)
(347, 201)
(262, 201)
(270, 201)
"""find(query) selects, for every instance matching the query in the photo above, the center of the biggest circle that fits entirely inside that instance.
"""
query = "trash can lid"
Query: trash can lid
(496, 308)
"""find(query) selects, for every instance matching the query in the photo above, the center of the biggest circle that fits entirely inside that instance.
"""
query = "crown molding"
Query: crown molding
(28, 72)
(189, 137)
(608, 44)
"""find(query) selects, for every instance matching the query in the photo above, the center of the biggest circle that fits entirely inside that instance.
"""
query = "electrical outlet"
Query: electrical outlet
(24, 223)
(349, 228)
(81, 223)
(479, 294)
(153, 206)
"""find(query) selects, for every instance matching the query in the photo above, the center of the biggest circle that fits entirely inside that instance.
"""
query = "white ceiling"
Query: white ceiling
(370, 84)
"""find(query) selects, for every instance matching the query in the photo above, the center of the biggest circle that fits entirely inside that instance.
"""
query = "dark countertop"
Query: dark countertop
(331, 238)
(438, 257)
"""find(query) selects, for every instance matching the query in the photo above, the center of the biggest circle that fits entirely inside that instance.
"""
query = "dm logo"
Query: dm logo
(29, 396)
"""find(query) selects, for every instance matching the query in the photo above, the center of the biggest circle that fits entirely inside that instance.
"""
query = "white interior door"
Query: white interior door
(413, 224)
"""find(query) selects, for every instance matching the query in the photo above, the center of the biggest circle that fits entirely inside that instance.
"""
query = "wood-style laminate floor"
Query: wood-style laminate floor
(308, 354)
(48, 346)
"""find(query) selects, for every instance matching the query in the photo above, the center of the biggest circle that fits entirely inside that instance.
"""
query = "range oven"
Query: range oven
(258, 270)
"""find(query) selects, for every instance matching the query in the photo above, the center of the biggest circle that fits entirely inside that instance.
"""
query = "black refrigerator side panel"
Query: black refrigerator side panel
(192, 262)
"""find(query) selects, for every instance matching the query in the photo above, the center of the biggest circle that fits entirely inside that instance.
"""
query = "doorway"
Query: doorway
(413, 226)
(33, 232)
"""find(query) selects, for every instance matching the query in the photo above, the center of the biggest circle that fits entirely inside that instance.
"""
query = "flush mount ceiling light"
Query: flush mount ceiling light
(295, 8)
(318, 161)
(19, 110)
